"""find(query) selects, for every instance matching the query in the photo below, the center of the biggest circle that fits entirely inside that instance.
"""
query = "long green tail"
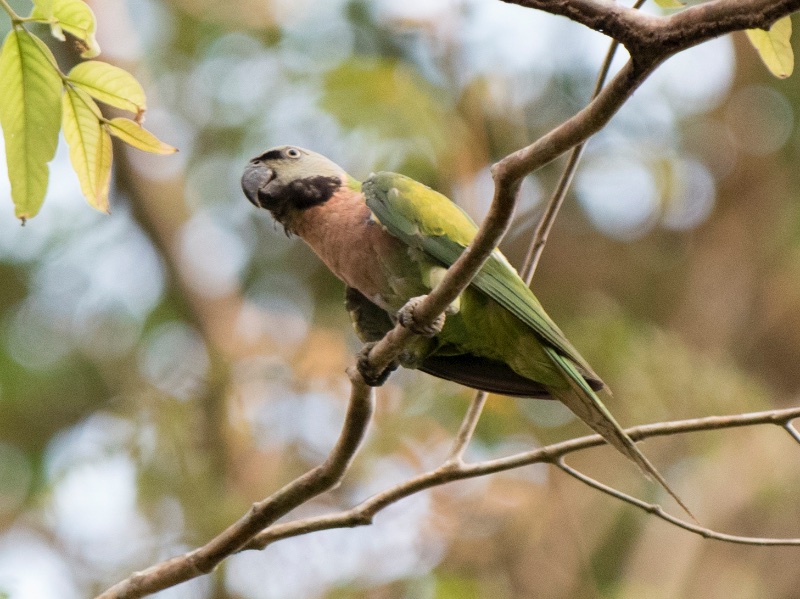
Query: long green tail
(583, 401)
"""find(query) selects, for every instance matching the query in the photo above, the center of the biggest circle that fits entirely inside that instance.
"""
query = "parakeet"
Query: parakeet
(391, 239)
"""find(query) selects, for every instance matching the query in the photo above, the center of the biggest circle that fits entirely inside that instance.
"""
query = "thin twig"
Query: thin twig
(363, 513)
(467, 428)
(538, 242)
(650, 40)
(508, 174)
(318, 480)
(658, 511)
(542, 231)
(789, 428)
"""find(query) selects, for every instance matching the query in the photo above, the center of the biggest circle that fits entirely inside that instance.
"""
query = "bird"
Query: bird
(391, 239)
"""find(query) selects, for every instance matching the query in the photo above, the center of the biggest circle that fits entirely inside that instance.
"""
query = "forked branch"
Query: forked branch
(363, 513)
(650, 40)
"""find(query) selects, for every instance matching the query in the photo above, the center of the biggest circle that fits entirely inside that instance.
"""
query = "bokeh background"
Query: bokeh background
(163, 367)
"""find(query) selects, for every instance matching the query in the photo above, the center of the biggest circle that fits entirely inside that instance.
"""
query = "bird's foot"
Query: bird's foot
(406, 318)
(368, 372)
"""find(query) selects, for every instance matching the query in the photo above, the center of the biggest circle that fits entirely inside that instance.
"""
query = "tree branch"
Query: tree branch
(650, 40)
(614, 20)
(467, 428)
(649, 36)
(542, 231)
(363, 513)
(318, 480)
(508, 175)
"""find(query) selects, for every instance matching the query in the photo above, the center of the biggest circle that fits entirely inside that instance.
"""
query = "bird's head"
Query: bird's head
(287, 179)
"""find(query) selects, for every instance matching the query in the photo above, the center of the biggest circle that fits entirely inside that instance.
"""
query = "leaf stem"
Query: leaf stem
(15, 18)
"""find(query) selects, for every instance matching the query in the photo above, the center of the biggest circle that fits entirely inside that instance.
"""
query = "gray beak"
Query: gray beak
(254, 180)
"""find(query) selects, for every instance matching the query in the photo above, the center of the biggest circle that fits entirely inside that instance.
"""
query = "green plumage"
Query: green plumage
(394, 239)
(428, 221)
(498, 317)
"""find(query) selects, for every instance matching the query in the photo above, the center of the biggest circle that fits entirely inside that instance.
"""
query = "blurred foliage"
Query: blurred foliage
(163, 367)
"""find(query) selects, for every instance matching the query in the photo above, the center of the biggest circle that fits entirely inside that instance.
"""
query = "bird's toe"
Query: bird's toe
(407, 318)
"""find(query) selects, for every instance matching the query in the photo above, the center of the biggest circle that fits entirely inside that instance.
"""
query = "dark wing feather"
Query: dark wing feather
(372, 323)
(427, 220)
(483, 374)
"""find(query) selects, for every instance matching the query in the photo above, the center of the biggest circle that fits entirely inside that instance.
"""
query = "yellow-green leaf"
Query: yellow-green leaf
(109, 84)
(42, 9)
(30, 116)
(89, 146)
(73, 16)
(137, 136)
(671, 4)
(774, 47)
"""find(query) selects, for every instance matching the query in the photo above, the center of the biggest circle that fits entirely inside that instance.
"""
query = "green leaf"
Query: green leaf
(109, 84)
(89, 146)
(774, 47)
(73, 16)
(137, 136)
(42, 9)
(30, 117)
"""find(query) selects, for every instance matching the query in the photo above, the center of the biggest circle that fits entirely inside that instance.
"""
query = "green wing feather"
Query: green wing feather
(429, 221)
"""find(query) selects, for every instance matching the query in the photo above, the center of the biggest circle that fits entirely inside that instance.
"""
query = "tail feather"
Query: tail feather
(583, 401)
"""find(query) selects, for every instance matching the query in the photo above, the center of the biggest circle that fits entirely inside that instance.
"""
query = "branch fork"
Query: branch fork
(650, 40)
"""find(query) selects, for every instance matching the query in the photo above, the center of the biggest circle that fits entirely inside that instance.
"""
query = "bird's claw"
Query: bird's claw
(368, 372)
(405, 317)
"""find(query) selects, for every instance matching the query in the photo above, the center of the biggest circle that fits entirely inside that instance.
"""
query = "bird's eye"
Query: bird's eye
(293, 153)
